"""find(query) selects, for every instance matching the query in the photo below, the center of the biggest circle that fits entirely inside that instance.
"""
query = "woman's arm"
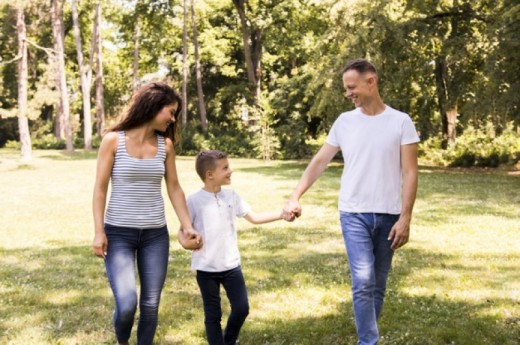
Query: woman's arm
(176, 195)
(105, 161)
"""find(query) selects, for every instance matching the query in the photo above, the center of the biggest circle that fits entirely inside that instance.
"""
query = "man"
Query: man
(378, 188)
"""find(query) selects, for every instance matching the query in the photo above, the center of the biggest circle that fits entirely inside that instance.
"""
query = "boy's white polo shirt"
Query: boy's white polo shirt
(213, 216)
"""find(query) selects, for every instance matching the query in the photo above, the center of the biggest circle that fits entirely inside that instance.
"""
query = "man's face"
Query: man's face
(358, 87)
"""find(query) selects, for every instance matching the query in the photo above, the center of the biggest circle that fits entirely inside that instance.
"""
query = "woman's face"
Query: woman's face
(165, 117)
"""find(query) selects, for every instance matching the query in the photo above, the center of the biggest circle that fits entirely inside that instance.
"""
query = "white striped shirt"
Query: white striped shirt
(136, 200)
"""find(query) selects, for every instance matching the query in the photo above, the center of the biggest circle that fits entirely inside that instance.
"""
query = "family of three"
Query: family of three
(376, 198)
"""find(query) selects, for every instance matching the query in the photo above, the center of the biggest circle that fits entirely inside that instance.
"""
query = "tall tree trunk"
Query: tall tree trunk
(451, 115)
(448, 104)
(252, 41)
(184, 66)
(85, 83)
(200, 92)
(100, 108)
(57, 31)
(440, 71)
(137, 34)
(23, 123)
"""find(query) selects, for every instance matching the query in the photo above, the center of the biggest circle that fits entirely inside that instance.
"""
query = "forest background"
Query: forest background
(261, 78)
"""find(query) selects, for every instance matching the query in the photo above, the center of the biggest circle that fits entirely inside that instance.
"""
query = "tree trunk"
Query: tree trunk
(200, 92)
(85, 83)
(440, 72)
(252, 41)
(184, 119)
(451, 116)
(57, 31)
(100, 108)
(23, 123)
(137, 34)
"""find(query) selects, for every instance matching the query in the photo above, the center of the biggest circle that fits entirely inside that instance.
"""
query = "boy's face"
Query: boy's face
(221, 175)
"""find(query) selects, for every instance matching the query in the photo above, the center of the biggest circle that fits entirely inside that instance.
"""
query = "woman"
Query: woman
(135, 155)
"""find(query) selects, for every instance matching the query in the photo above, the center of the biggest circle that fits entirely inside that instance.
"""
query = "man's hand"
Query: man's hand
(291, 210)
(400, 234)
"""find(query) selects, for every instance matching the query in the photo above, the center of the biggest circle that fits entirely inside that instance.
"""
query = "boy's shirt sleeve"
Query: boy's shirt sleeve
(240, 205)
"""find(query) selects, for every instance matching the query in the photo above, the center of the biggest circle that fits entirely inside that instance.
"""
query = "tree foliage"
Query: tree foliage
(270, 68)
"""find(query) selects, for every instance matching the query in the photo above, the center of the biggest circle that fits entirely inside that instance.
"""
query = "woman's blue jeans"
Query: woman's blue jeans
(235, 287)
(149, 247)
(370, 259)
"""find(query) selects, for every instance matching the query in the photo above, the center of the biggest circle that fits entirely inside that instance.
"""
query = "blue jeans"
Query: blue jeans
(370, 259)
(235, 287)
(150, 247)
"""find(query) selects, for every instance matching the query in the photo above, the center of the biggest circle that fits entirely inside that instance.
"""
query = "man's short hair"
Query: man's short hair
(361, 66)
(207, 160)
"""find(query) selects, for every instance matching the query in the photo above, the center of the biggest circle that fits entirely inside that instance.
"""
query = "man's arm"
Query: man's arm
(316, 167)
(400, 232)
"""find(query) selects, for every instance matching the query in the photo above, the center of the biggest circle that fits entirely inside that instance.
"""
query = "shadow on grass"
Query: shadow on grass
(427, 319)
(62, 294)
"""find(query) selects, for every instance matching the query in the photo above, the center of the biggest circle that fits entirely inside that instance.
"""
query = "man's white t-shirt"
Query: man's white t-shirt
(213, 216)
(371, 148)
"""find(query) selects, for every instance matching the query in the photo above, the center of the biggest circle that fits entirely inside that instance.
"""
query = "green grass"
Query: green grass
(456, 282)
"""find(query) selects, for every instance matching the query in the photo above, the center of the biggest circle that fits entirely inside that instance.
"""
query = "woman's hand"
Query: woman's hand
(189, 239)
(100, 244)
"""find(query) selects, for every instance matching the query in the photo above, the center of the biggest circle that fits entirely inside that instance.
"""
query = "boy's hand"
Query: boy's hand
(288, 216)
(189, 239)
(292, 210)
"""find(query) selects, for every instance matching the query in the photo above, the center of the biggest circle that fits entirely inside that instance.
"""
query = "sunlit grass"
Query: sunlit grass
(456, 282)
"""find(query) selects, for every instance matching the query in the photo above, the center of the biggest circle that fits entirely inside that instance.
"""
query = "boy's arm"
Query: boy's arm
(264, 217)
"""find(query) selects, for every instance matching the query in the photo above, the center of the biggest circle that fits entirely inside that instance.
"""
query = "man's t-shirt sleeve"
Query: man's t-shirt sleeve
(409, 134)
(332, 138)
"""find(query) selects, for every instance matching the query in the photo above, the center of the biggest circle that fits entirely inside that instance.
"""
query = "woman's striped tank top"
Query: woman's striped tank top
(136, 200)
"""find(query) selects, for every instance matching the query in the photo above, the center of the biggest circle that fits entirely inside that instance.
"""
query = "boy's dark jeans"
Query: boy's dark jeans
(235, 287)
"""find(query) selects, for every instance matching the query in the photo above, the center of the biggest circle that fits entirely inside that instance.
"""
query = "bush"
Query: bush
(475, 147)
(230, 140)
(8, 130)
(48, 142)
(12, 144)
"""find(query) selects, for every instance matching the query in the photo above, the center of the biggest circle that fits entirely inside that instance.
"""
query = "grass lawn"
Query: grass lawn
(456, 282)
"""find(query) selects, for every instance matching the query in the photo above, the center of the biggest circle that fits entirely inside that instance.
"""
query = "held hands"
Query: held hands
(291, 210)
(189, 239)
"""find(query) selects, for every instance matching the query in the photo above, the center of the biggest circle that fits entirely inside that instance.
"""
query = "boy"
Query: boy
(213, 211)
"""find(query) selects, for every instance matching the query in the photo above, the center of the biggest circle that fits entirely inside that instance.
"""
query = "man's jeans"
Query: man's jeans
(370, 258)
(150, 247)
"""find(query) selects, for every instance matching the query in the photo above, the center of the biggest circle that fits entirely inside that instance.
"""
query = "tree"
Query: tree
(137, 35)
(64, 106)
(200, 92)
(23, 123)
(84, 80)
(252, 39)
(100, 107)
(184, 119)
